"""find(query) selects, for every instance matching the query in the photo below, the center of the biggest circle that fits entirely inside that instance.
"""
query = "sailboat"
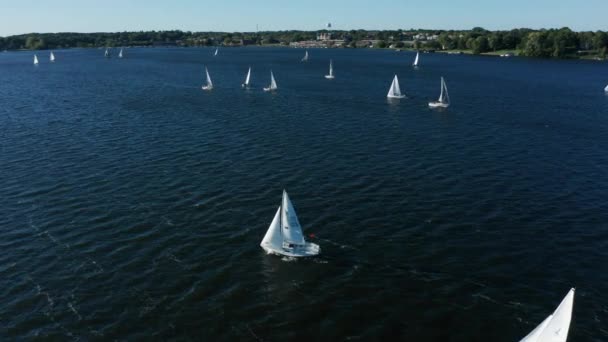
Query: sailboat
(120, 53)
(305, 59)
(555, 327)
(209, 84)
(247, 79)
(606, 89)
(284, 236)
(416, 59)
(107, 54)
(394, 91)
(35, 60)
(444, 98)
(52, 57)
(331, 71)
(273, 83)
(216, 51)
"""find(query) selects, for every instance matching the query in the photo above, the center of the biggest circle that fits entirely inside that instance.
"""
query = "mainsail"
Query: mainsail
(395, 91)
(416, 59)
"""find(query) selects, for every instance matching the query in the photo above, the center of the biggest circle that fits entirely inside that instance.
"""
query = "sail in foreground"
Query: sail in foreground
(305, 59)
(35, 60)
(555, 327)
(247, 79)
(444, 97)
(52, 57)
(417, 59)
(284, 236)
(273, 83)
(209, 84)
(331, 70)
(120, 53)
(394, 92)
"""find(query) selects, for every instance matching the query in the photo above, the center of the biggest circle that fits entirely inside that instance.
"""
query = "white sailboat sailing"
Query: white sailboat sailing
(52, 57)
(209, 85)
(120, 53)
(35, 60)
(331, 70)
(284, 236)
(216, 51)
(273, 83)
(606, 89)
(394, 92)
(417, 59)
(444, 97)
(305, 59)
(107, 54)
(247, 79)
(555, 327)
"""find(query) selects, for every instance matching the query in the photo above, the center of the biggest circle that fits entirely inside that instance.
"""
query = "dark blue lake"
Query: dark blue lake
(132, 203)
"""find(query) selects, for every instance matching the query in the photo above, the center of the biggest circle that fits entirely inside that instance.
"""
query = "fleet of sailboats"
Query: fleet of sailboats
(331, 70)
(284, 235)
(273, 83)
(394, 92)
(52, 57)
(209, 85)
(444, 98)
(555, 327)
(247, 79)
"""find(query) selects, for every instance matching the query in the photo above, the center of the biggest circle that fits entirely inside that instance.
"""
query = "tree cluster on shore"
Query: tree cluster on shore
(557, 43)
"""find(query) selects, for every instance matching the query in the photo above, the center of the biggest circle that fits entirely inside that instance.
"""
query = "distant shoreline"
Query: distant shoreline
(555, 43)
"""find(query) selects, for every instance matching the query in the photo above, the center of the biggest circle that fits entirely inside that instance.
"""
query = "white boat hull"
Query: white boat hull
(207, 87)
(308, 250)
(438, 105)
(269, 89)
(395, 96)
(329, 77)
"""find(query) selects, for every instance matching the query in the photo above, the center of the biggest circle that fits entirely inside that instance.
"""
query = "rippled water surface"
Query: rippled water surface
(132, 203)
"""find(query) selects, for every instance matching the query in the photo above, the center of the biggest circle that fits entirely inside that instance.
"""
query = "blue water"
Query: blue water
(132, 203)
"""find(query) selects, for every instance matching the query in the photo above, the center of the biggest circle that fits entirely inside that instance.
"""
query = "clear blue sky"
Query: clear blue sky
(24, 16)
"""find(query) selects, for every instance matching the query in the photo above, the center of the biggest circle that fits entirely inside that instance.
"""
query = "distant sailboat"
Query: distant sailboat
(305, 59)
(216, 51)
(247, 79)
(331, 71)
(120, 53)
(273, 83)
(394, 92)
(284, 236)
(606, 89)
(107, 54)
(52, 57)
(35, 60)
(209, 84)
(444, 98)
(417, 59)
(555, 327)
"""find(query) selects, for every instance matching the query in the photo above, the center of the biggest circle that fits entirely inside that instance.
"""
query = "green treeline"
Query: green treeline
(558, 43)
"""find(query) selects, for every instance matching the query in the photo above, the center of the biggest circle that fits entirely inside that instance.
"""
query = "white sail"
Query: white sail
(395, 91)
(555, 327)
(331, 70)
(305, 59)
(120, 53)
(35, 60)
(273, 240)
(247, 78)
(107, 53)
(444, 97)
(290, 225)
(216, 51)
(416, 59)
(52, 57)
(209, 84)
(606, 89)
(273, 83)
